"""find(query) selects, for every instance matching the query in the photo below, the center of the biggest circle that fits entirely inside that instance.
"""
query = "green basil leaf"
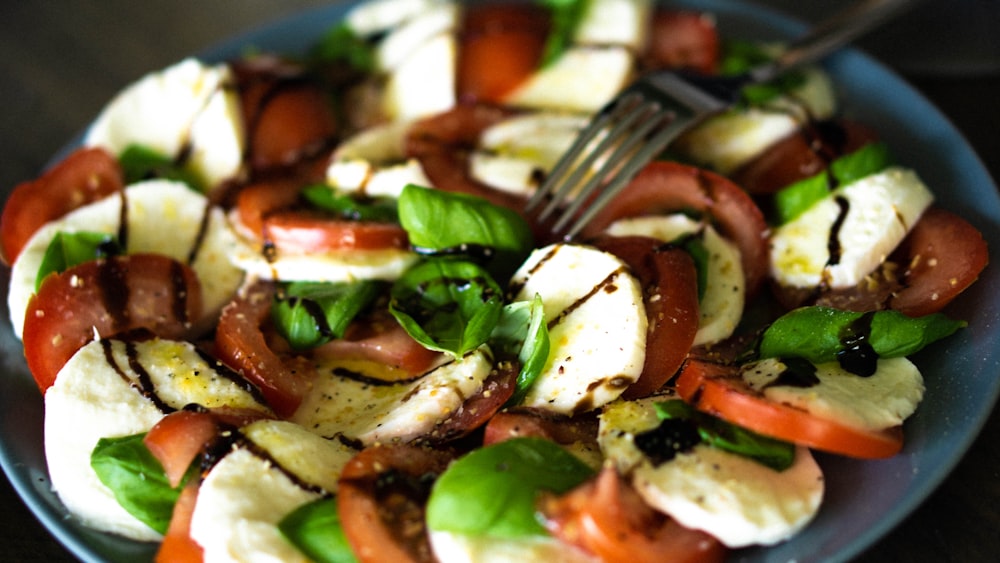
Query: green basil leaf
(740, 56)
(346, 207)
(309, 314)
(447, 305)
(867, 160)
(718, 433)
(340, 44)
(792, 201)
(818, 334)
(522, 331)
(493, 491)
(136, 478)
(140, 162)
(314, 528)
(566, 15)
(69, 249)
(447, 222)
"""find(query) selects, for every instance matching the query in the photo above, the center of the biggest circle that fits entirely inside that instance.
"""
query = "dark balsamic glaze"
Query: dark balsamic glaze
(144, 383)
(834, 247)
(671, 437)
(798, 372)
(858, 356)
(607, 285)
(231, 440)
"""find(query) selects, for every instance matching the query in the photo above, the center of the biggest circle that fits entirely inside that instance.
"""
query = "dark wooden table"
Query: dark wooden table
(60, 62)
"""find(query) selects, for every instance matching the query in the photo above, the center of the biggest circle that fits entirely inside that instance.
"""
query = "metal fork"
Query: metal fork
(642, 120)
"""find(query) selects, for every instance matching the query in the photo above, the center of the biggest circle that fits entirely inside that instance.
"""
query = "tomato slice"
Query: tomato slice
(500, 46)
(107, 297)
(85, 176)
(381, 497)
(305, 232)
(670, 294)
(379, 338)
(528, 421)
(664, 187)
(177, 545)
(944, 256)
(719, 391)
(478, 410)
(240, 344)
(683, 40)
(607, 518)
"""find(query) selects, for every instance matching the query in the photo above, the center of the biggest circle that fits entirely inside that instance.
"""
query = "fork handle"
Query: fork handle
(831, 34)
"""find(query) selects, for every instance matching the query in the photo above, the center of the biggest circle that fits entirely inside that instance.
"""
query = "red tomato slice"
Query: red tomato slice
(479, 409)
(109, 297)
(84, 176)
(607, 518)
(527, 421)
(241, 345)
(177, 545)
(719, 391)
(307, 233)
(381, 339)
(944, 255)
(178, 438)
(663, 187)
(670, 293)
(685, 40)
(383, 517)
(256, 201)
(801, 155)
(500, 46)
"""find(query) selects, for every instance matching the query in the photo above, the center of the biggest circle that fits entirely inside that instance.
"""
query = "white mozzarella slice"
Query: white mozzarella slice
(244, 496)
(93, 398)
(374, 163)
(436, 19)
(424, 83)
(728, 141)
(163, 217)
(583, 79)
(878, 211)
(378, 16)
(516, 153)
(882, 400)
(597, 326)
(358, 407)
(185, 106)
(615, 22)
(721, 307)
(737, 500)
(459, 548)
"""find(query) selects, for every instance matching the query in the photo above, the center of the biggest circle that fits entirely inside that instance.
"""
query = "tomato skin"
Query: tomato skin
(477, 411)
(945, 255)
(85, 176)
(663, 187)
(108, 296)
(517, 422)
(178, 438)
(379, 338)
(683, 40)
(607, 518)
(177, 545)
(670, 294)
(305, 232)
(381, 496)
(500, 46)
(720, 391)
(240, 344)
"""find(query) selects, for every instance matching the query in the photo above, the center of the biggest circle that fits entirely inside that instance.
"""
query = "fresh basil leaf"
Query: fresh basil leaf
(447, 222)
(718, 433)
(522, 331)
(314, 528)
(739, 57)
(340, 44)
(309, 314)
(694, 244)
(447, 305)
(793, 200)
(566, 15)
(140, 162)
(69, 249)
(136, 478)
(818, 334)
(351, 208)
(493, 491)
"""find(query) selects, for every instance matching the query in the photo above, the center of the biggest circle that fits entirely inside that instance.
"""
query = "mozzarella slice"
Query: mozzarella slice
(583, 79)
(374, 163)
(358, 407)
(516, 153)
(597, 326)
(873, 213)
(883, 400)
(434, 20)
(99, 394)
(732, 139)
(733, 498)
(163, 217)
(423, 83)
(458, 548)
(246, 494)
(187, 107)
(614, 22)
(721, 307)
(378, 16)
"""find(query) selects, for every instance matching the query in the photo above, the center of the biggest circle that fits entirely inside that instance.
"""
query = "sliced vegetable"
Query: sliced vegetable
(316, 530)
(142, 163)
(566, 15)
(136, 478)
(69, 249)
(341, 45)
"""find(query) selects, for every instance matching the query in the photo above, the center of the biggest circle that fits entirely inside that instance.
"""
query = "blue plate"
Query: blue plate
(865, 499)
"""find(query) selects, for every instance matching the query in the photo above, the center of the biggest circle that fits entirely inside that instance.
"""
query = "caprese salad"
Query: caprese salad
(290, 306)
